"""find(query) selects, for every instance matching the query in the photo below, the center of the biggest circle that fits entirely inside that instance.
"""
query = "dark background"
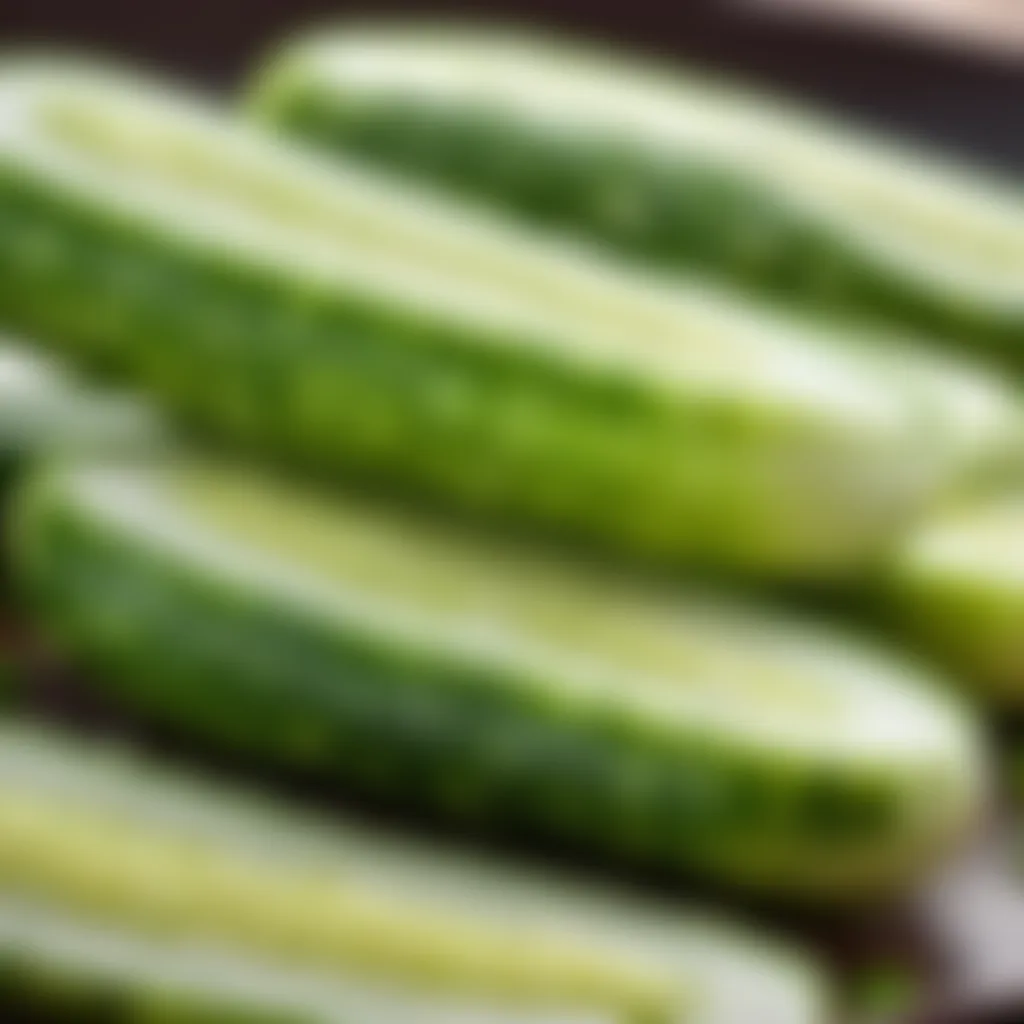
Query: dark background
(973, 104)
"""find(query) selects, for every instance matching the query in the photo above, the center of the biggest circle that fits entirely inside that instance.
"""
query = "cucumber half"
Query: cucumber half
(344, 323)
(674, 169)
(958, 585)
(130, 892)
(489, 685)
(45, 411)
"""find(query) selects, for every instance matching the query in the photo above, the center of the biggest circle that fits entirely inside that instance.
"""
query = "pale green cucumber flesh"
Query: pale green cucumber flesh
(957, 584)
(115, 896)
(342, 322)
(676, 170)
(46, 411)
(33, 395)
(407, 661)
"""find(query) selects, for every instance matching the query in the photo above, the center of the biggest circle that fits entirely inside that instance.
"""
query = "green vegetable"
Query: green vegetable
(679, 171)
(44, 411)
(404, 659)
(130, 893)
(344, 323)
(958, 586)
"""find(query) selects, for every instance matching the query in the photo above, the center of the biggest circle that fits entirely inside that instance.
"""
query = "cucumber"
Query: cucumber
(492, 687)
(9, 670)
(30, 399)
(957, 585)
(341, 323)
(133, 892)
(670, 168)
(45, 411)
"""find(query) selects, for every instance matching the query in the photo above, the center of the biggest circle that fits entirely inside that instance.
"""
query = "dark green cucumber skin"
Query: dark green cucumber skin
(684, 213)
(233, 666)
(44, 993)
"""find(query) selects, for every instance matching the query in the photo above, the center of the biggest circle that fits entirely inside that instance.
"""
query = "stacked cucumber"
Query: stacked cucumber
(678, 171)
(43, 409)
(467, 389)
(335, 320)
(497, 687)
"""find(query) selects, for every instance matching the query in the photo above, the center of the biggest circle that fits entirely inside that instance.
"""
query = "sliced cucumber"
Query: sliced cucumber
(958, 584)
(401, 658)
(674, 169)
(338, 320)
(45, 411)
(132, 893)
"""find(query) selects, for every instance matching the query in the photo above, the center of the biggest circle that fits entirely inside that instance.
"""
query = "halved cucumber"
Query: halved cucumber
(404, 659)
(675, 169)
(128, 892)
(339, 320)
(958, 584)
(45, 411)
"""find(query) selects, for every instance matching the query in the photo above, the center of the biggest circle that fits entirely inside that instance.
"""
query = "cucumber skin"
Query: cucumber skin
(222, 341)
(58, 993)
(686, 213)
(48, 415)
(470, 743)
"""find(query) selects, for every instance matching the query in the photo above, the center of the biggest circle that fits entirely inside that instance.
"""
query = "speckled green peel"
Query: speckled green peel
(489, 685)
(132, 894)
(957, 585)
(674, 170)
(348, 324)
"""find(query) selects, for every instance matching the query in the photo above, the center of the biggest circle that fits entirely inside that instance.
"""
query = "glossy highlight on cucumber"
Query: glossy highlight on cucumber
(339, 321)
(676, 170)
(486, 684)
(132, 891)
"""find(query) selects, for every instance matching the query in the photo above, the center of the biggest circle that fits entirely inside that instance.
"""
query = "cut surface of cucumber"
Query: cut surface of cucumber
(958, 583)
(678, 170)
(491, 685)
(34, 397)
(339, 320)
(129, 886)
(45, 411)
